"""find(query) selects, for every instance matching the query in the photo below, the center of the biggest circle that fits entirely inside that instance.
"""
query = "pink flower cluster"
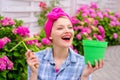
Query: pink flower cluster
(46, 41)
(6, 21)
(89, 17)
(90, 32)
(92, 11)
(22, 31)
(43, 5)
(89, 27)
(5, 63)
(114, 20)
(34, 42)
(4, 41)
(115, 35)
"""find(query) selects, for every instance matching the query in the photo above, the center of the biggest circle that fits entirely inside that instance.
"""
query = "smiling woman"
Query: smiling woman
(59, 62)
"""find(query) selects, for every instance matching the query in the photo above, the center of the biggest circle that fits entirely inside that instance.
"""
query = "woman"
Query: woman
(59, 62)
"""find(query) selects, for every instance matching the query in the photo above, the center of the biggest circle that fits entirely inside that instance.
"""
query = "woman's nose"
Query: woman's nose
(66, 29)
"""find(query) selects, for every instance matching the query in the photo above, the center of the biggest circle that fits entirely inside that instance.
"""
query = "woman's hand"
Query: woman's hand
(89, 69)
(32, 61)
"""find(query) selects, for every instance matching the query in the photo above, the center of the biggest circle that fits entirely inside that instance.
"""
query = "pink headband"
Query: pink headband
(53, 16)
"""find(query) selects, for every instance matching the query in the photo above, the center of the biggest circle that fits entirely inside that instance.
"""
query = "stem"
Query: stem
(25, 45)
(32, 38)
(36, 48)
(15, 46)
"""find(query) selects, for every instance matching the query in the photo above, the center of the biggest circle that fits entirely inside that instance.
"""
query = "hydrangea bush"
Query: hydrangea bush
(14, 41)
(90, 22)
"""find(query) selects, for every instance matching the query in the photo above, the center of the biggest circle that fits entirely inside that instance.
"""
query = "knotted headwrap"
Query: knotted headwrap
(53, 16)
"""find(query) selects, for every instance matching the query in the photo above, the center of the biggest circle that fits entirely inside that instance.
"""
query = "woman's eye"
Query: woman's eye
(59, 28)
(70, 27)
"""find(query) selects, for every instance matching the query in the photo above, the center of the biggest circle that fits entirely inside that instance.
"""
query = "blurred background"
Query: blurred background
(31, 12)
(27, 10)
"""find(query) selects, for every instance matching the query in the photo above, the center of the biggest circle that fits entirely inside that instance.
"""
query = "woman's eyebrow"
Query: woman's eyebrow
(69, 25)
(63, 25)
(60, 25)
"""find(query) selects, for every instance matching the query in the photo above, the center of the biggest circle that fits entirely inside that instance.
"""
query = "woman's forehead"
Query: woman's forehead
(63, 20)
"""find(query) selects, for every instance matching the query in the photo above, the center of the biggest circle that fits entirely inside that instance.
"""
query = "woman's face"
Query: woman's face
(62, 32)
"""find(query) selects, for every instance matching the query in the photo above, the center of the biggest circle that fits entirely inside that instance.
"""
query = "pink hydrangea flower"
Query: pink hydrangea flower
(112, 17)
(117, 23)
(6, 40)
(86, 20)
(100, 15)
(94, 5)
(38, 44)
(5, 63)
(95, 22)
(75, 28)
(89, 38)
(117, 15)
(93, 15)
(7, 21)
(31, 42)
(46, 41)
(101, 29)
(86, 30)
(78, 36)
(115, 35)
(94, 35)
(22, 31)
(112, 23)
(107, 10)
(100, 38)
(91, 10)
(2, 44)
(10, 65)
(74, 20)
(42, 4)
(2, 64)
(82, 8)
(84, 14)
(105, 14)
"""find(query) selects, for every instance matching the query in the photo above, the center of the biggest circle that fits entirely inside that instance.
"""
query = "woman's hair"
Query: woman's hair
(52, 16)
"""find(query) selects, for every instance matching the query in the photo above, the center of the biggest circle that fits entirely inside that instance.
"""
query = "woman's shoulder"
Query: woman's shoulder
(77, 55)
(42, 53)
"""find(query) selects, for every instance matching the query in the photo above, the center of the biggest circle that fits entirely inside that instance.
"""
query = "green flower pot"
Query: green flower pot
(94, 50)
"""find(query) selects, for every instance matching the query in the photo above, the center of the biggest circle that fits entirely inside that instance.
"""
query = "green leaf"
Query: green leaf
(3, 75)
(16, 54)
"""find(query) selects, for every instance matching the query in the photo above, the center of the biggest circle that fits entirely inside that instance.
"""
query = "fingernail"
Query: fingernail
(102, 62)
(28, 50)
(32, 53)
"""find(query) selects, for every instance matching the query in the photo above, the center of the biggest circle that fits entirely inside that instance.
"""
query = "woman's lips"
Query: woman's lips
(66, 38)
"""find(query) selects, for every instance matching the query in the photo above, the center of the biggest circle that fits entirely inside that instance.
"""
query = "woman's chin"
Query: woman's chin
(66, 45)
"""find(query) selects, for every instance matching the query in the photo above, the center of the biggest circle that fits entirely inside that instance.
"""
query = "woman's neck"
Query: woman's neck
(60, 53)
